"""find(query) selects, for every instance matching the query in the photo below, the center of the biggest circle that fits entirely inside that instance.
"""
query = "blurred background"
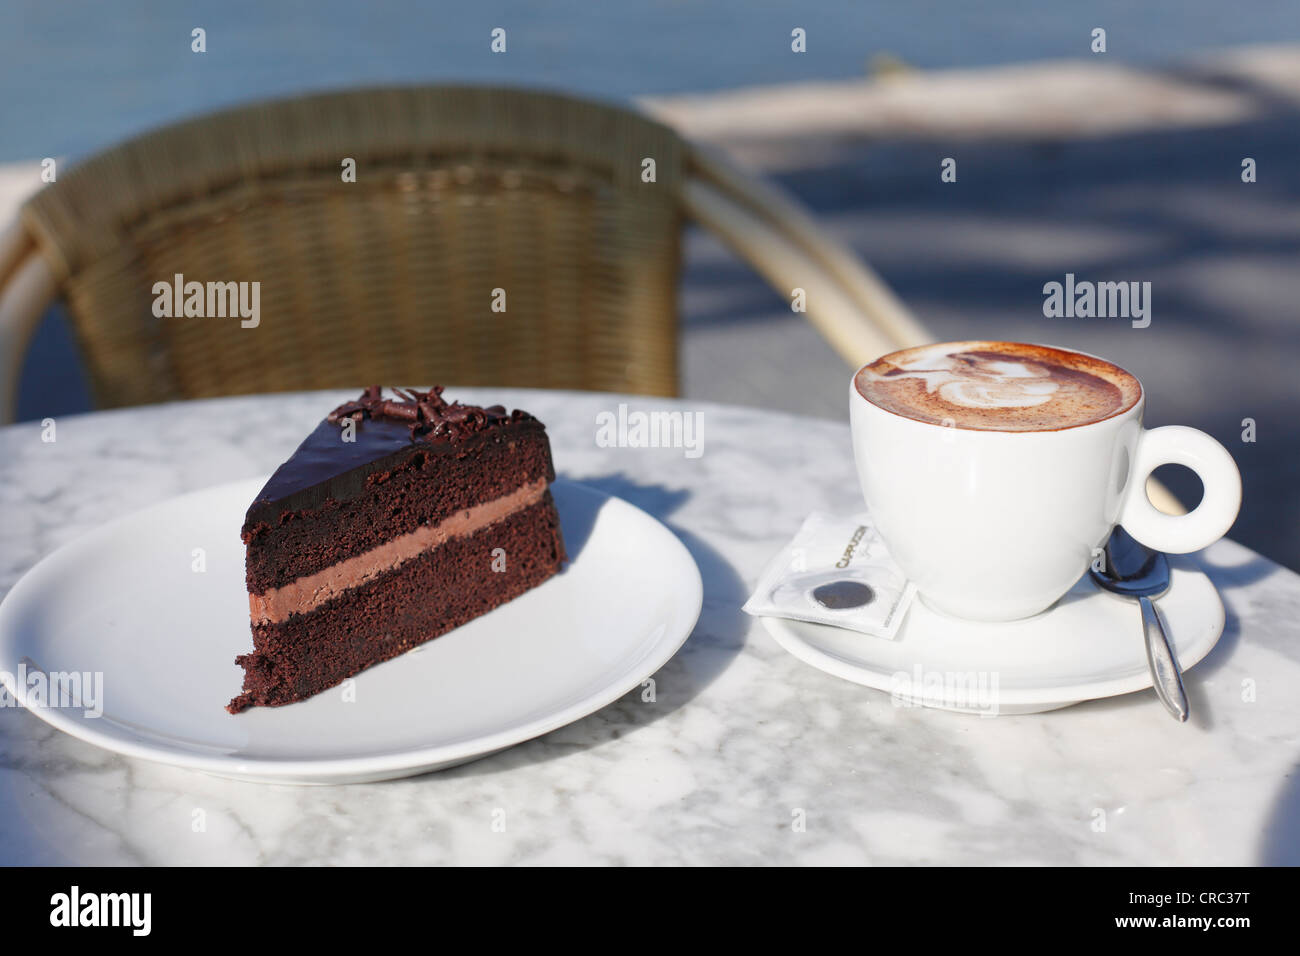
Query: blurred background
(1122, 166)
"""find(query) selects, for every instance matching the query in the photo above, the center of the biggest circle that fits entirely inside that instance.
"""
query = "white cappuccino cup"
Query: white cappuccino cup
(996, 471)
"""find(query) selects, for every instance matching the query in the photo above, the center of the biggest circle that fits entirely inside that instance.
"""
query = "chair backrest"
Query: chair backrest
(491, 236)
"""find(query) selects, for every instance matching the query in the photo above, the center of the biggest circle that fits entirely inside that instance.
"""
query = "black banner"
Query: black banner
(307, 905)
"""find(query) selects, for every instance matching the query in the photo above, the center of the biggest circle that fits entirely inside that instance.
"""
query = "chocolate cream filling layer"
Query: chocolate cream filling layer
(312, 590)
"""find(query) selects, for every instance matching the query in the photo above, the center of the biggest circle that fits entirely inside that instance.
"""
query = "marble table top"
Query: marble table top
(747, 756)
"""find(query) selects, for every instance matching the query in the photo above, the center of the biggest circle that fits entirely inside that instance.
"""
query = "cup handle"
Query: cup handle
(1210, 521)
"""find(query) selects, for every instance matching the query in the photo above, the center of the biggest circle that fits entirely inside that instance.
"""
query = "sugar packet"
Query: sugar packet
(836, 570)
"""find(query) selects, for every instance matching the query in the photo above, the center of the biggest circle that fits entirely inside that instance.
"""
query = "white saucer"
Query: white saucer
(125, 601)
(1088, 645)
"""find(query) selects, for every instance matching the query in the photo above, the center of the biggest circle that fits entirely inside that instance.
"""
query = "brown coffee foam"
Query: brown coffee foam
(1087, 389)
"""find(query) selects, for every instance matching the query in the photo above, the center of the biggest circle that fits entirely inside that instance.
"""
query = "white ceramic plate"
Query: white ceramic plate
(125, 601)
(1088, 645)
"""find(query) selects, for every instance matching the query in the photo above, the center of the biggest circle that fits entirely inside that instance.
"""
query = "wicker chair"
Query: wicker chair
(459, 192)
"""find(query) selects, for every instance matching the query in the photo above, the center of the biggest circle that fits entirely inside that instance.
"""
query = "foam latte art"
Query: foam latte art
(996, 394)
(998, 386)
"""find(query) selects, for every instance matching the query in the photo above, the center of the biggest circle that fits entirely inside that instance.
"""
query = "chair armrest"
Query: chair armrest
(785, 215)
(27, 287)
(830, 308)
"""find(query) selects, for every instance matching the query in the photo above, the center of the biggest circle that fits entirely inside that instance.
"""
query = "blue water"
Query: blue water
(78, 75)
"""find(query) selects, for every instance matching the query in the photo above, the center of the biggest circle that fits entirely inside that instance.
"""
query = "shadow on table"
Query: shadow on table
(1228, 578)
(714, 642)
(1280, 843)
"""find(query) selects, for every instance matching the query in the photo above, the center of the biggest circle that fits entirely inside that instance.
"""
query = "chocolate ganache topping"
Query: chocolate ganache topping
(388, 432)
(427, 413)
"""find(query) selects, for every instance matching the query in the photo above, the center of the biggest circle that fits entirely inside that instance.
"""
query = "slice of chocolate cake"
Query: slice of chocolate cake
(396, 520)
